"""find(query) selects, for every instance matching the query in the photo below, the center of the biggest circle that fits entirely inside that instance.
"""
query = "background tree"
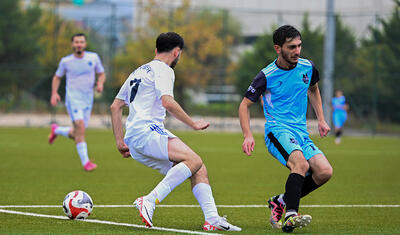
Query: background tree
(382, 56)
(20, 31)
(312, 43)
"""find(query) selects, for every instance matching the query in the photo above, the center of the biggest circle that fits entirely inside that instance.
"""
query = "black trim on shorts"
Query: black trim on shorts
(278, 145)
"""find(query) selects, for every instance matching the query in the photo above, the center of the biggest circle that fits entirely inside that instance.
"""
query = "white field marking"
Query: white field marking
(195, 206)
(105, 222)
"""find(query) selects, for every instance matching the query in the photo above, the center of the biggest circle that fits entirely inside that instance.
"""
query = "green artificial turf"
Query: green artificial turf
(34, 173)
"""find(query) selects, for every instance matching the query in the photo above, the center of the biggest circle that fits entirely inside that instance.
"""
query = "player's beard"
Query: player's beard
(78, 51)
(173, 64)
(286, 57)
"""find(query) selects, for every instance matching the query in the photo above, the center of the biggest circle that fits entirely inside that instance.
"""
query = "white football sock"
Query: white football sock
(175, 176)
(63, 130)
(81, 147)
(280, 199)
(203, 194)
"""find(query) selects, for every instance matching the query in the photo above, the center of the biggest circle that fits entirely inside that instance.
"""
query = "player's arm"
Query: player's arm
(253, 93)
(55, 84)
(316, 102)
(169, 103)
(101, 79)
(116, 119)
(346, 107)
(244, 117)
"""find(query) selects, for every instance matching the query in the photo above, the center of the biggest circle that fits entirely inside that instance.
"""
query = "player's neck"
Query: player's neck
(80, 56)
(284, 64)
(164, 58)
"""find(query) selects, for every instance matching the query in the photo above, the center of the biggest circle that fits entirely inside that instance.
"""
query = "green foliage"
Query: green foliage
(345, 54)
(380, 58)
(19, 46)
(312, 44)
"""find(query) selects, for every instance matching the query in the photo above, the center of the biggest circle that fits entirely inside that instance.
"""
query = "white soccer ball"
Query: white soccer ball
(77, 205)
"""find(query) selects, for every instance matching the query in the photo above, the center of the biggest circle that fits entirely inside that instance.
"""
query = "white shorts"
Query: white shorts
(152, 148)
(78, 113)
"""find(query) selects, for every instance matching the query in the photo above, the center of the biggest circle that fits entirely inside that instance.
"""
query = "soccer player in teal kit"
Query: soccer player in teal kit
(284, 85)
(339, 114)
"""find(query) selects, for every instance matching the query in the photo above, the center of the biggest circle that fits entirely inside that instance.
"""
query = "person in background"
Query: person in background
(80, 69)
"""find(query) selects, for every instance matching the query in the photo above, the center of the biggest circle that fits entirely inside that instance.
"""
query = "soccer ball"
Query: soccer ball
(77, 205)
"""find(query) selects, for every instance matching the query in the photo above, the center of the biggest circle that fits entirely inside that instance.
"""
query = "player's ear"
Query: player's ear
(277, 49)
(155, 51)
(176, 51)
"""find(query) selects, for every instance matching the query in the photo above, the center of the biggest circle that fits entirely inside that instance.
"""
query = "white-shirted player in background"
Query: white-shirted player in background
(148, 92)
(80, 69)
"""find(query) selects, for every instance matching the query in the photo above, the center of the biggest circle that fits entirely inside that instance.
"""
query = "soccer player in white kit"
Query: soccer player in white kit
(80, 69)
(148, 92)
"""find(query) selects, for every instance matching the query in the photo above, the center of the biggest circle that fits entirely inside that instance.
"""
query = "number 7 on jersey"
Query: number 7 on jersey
(134, 88)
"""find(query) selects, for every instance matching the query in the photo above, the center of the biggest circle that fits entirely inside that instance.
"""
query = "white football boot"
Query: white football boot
(146, 210)
(222, 225)
(296, 221)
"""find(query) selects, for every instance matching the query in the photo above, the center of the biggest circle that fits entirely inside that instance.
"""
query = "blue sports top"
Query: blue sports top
(338, 103)
(284, 92)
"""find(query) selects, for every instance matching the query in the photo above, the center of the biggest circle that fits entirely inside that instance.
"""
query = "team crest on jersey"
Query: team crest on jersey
(305, 78)
(90, 63)
(293, 141)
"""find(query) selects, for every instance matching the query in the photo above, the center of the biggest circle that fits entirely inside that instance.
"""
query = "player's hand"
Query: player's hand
(200, 125)
(248, 145)
(54, 99)
(124, 150)
(99, 87)
(323, 128)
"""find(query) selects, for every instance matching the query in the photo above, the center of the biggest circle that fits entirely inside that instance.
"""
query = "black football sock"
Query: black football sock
(338, 133)
(292, 194)
(309, 185)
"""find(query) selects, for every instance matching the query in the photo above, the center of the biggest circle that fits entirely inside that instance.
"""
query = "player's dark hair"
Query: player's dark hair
(167, 41)
(78, 35)
(283, 33)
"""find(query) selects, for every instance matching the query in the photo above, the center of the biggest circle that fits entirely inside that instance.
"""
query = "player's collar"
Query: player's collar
(277, 65)
(161, 62)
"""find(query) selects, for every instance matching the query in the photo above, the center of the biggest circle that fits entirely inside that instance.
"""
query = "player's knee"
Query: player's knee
(201, 175)
(301, 167)
(304, 167)
(197, 162)
(79, 128)
(194, 163)
(324, 174)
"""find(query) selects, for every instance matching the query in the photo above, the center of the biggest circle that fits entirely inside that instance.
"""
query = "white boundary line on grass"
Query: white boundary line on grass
(104, 222)
(189, 206)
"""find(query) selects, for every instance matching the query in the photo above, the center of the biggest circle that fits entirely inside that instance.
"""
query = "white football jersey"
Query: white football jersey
(80, 77)
(142, 92)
